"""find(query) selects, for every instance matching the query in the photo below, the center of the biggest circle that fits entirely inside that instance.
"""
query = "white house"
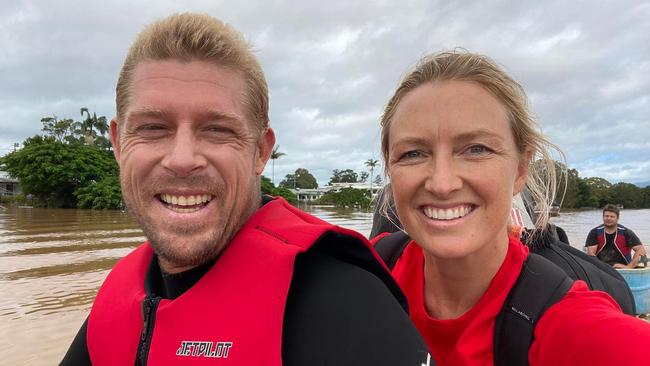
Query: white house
(314, 194)
(8, 185)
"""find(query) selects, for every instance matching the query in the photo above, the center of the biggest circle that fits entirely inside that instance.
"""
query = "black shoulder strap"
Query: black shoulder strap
(391, 247)
(540, 285)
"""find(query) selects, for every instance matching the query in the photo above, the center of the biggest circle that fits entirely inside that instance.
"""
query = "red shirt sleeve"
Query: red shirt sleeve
(588, 328)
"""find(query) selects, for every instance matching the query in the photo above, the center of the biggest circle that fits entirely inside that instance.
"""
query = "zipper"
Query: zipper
(149, 306)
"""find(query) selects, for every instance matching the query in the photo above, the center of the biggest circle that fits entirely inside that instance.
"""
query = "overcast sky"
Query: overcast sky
(332, 65)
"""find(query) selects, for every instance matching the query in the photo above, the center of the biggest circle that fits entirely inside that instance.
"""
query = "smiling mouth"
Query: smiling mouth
(185, 204)
(447, 214)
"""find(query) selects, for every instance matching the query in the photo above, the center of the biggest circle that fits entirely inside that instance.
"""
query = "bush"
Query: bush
(270, 189)
(102, 195)
(348, 198)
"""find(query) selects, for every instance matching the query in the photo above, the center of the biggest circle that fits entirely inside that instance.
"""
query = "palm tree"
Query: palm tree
(86, 127)
(275, 154)
(371, 163)
(92, 122)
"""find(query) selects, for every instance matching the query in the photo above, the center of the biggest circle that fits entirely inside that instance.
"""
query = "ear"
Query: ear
(264, 148)
(522, 171)
(115, 138)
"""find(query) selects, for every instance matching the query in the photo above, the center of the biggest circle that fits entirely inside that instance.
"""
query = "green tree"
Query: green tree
(266, 185)
(275, 155)
(586, 197)
(626, 194)
(566, 193)
(301, 178)
(93, 128)
(102, 195)
(343, 176)
(92, 131)
(646, 197)
(62, 130)
(52, 171)
(348, 198)
(363, 177)
(600, 190)
(268, 188)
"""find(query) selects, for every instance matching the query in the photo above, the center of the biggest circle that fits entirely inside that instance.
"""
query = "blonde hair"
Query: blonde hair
(464, 66)
(186, 37)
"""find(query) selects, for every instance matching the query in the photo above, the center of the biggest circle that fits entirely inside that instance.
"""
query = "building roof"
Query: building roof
(5, 178)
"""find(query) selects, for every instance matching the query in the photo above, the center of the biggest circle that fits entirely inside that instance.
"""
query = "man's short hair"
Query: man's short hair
(187, 37)
(611, 208)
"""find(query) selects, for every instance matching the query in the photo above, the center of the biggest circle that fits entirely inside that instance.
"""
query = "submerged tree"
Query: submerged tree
(268, 188)
(53, 171)
(348, 198)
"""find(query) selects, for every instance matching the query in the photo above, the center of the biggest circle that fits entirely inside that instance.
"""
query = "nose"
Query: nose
(184, 155)
(442, 177)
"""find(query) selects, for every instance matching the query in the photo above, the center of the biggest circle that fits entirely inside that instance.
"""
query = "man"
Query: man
(226, 277)
(613, 243)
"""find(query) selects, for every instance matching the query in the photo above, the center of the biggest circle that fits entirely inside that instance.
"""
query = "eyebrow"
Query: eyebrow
(209, 114)
(145, 112)
(463, 137)
(482, 133)
(411, 141)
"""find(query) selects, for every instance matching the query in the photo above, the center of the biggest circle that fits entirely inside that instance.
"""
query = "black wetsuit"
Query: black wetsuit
(336, 314)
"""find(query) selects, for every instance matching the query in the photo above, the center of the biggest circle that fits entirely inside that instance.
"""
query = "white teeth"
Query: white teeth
(191, 200)
(446, 214)
(429, 212)
(185, 200)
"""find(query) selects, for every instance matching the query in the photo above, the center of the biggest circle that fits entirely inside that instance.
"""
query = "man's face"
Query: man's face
(610, 219)
(189, 158)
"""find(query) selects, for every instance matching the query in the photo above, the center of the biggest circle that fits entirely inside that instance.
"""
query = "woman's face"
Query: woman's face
(454, 168)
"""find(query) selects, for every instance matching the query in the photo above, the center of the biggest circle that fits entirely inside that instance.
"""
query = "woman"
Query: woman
(458, 140)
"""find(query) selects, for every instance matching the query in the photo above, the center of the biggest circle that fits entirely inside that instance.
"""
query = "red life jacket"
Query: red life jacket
(232, 316)
(619, 241)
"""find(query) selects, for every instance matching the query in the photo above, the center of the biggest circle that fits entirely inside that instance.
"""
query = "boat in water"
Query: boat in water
(553, 211)
(639, 281)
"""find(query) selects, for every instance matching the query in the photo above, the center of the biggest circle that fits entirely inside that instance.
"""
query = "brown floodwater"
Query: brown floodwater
(52, 262)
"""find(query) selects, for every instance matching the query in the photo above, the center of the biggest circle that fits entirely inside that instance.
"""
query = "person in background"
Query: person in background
(227, 277)
(613, 243)
(458, 141)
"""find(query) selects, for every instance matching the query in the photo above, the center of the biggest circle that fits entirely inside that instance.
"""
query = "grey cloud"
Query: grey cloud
(332, 66)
